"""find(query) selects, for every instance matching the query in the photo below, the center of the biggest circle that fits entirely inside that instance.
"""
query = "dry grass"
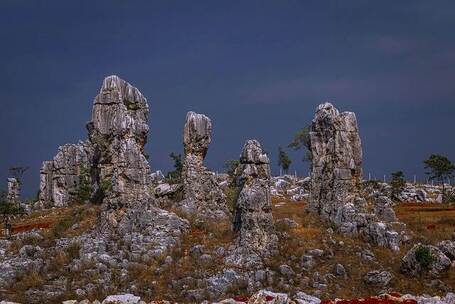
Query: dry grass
(312, 233)
(430, 223)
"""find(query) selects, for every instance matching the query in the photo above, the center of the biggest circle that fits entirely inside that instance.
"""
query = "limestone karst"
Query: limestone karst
(336, 160)
(14, 191)
(60, 178)
(112, 157)
(253, 220)
(202, 195)
(336, 176)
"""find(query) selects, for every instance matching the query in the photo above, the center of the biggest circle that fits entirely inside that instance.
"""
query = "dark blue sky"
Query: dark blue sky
(257, 68)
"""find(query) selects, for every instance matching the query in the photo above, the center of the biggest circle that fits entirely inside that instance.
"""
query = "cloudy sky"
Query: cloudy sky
(257, 68)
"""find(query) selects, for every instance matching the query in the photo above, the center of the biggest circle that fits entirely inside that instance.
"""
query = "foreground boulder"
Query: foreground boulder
(202, 195)
(424, 259)
(253, 220)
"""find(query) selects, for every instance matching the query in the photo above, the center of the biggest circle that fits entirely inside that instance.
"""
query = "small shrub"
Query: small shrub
(106, 185)
(73, 250)
(424, 256)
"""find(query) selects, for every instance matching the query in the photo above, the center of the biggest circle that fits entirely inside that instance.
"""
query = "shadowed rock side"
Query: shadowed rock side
(253, 220)
(203, 197)
(336, 159)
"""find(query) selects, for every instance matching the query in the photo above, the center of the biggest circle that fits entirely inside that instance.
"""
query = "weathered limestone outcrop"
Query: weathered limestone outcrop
(336, 179)
(424, 258)
(336, 160)
(61, 177)
(14, 191)
(202, 195)
(253, 220)
(111, 158)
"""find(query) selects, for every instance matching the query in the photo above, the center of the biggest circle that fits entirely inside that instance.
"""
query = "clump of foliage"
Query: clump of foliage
(106, 185)
(283, 160)
(231, 165)
(84, 190)
(440, 168)
(302, 140)
(8, 210)
(424, 256)
(175, 176)
(398, 183)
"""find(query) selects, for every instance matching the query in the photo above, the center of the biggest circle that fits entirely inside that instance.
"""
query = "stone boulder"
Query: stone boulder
(202, 194)
(424, 258)
(448, 248)
(378, 278)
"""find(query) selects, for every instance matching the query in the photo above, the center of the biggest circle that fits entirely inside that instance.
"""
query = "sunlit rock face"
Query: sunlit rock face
(336, 160)
(253, 220)
(111, 159)
(14, 191)
(203, 196)
(60, 178)
(118, 132)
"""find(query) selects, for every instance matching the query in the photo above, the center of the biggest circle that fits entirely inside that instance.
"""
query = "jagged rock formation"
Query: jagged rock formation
(111, 158)
(335, 191)
(14, 191)
(202, 195)
(253, 220)
(336, 159)
(111, 168)
(61, 177)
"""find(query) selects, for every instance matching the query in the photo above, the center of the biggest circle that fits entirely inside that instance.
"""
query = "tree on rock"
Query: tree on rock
(283, 160)
(302, 140)
(439, 168)
(398, 183)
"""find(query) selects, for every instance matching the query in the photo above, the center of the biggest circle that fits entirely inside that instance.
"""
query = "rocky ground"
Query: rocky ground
(105, 228)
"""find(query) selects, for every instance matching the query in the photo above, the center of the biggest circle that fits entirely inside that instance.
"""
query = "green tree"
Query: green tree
(7, 211)
(84, 189)
(398, 183)
(283, 160)
(18, 172)
(439, 168)
(302, 140)
(175, 176)
(231, 165)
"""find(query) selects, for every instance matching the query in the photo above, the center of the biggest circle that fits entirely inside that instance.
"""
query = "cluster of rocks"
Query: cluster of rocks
(265, 296)
(425, 193)
(295, 187)
(336, 179)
